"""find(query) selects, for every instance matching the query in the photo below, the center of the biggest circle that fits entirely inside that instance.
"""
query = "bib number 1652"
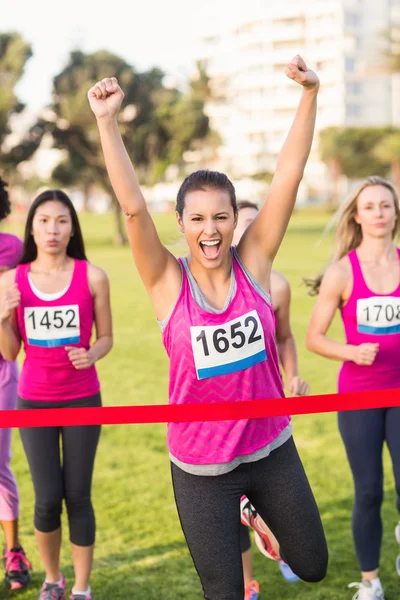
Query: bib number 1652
(229, 347)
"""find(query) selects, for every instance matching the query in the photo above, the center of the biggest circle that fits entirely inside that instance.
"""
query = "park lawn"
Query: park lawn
(141, 552)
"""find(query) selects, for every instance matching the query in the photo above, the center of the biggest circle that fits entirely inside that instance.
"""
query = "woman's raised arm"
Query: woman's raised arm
(261, 240)
(158, 268)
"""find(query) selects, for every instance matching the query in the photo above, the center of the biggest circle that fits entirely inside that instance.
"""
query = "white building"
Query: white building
(254, 103)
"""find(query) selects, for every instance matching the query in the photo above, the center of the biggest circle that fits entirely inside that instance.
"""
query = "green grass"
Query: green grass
(141, 552)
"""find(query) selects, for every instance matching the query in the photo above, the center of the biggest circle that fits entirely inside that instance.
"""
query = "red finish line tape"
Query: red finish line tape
(221, 411)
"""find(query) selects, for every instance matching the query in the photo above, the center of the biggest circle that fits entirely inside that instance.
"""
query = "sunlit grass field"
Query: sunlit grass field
(141, 552)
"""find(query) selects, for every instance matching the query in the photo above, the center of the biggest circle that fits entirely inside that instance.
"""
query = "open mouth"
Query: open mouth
(211, 249)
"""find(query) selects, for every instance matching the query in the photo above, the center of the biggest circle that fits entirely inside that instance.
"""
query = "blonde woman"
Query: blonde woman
(363, 282)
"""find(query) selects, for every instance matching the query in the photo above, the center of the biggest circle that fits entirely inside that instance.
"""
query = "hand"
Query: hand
(80, 357)
(299, 72)
(365, 354)
(105, 98)
(11, 300)
(298, 387)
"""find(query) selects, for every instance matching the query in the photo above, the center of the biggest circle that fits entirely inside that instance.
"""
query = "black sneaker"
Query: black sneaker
(53, 591)
(17, 568)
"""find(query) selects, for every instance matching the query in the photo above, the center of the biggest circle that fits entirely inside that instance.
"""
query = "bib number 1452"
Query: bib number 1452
(228, 347)
(52, 327)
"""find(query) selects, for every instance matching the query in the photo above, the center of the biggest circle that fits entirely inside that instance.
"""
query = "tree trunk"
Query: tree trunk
(120, 238)
(396, 175)
(336, 172)
(86, 197)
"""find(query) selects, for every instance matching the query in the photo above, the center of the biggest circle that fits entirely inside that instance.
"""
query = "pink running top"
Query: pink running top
(371, 318)
(10, 253)
(46, 327)
(10, 250)
(225, 357)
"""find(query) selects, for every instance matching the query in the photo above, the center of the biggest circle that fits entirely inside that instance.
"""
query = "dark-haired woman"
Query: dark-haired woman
(49, 304)
(15, 562)
(219, 332)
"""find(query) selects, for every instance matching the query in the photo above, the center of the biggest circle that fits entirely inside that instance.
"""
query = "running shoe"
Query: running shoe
(366, 591)
(248, 516)
(17, 568)
(287, 572)
(397, 534)
(53, 591)
(84, 597)
(252, 590)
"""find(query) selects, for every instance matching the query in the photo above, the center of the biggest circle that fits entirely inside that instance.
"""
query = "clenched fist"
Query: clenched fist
(365, 354)
(10, 301)
(105, 98)
(299, 72)
(80, 357)
(298, 387)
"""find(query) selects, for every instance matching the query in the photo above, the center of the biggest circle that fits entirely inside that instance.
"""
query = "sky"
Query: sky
(165, 33)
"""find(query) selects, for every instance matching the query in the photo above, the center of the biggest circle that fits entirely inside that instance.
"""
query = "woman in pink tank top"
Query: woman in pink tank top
(363, 282)
(15, 562)
(49, 304)
(219, 333)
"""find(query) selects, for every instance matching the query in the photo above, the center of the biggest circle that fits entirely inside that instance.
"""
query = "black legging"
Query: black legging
(245, 543)
(70, 479)
(364, 433)
(209, 511)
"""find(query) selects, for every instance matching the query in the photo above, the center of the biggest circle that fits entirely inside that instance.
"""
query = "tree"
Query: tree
(73, 126)
(392, 54)
(157, 123)
(388, 150)
(330, 147)
(358, 158)
(14, 54)
(349, 151)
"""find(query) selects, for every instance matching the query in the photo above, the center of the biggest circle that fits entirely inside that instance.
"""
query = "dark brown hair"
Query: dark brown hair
(76, 246)
(205, 180)
(5, 204)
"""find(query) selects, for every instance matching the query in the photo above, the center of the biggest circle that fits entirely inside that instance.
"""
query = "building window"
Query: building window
(353, 88)
(353, 111)
(350, 65)
(352, 19)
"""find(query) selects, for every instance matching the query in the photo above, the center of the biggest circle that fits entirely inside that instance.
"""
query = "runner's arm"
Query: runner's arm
(153, 261)
(100, 287)
(284, 336)
(329, 300)
(261, 240)
(10, 340)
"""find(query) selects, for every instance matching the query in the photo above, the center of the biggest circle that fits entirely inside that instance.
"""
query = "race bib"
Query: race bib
(379, 315)
(229, 347)
(52, 327)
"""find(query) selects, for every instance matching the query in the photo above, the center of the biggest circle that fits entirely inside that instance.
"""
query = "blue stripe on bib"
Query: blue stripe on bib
(54, 343)
(379, 330)
(233, 367)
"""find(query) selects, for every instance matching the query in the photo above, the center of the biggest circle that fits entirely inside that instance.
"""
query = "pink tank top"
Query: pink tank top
(10, 253)
(225, 357)
(371, 318)
(10, 250)
(46, 327)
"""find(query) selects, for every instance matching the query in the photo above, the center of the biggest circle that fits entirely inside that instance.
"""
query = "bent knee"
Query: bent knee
(315, 571)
